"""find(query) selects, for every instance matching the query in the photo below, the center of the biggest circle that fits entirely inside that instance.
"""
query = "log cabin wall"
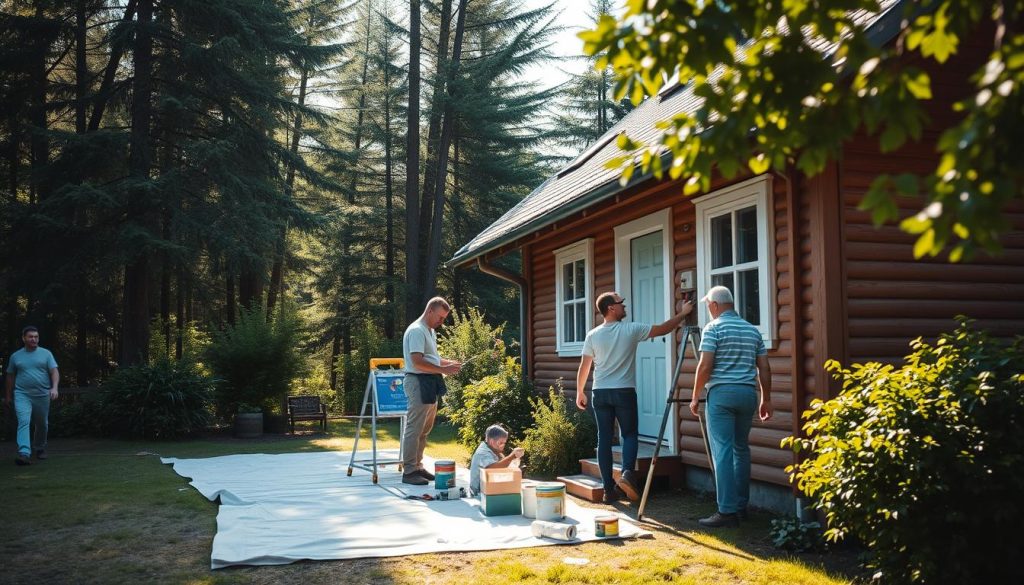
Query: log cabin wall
(892, 297)
(599, 223)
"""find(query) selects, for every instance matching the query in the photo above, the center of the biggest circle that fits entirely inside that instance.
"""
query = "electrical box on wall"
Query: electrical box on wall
(687, 280)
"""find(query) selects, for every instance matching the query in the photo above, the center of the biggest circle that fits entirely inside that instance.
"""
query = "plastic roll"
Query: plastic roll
(555, 530)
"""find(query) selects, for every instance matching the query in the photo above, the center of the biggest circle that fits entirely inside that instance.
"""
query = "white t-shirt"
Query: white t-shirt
(482, 457)
(419, 338)
(613, 347)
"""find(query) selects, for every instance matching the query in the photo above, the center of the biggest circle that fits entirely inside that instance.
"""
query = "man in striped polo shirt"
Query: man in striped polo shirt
(733, 365)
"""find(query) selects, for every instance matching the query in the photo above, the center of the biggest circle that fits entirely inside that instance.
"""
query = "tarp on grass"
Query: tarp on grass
(278, 509)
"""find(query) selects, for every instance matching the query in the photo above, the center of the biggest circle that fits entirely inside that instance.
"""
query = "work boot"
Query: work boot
(22, 459)
(628, 484)
(718, 520)
(414, 478)
(41, 454)
(423, 471)
(613, 495)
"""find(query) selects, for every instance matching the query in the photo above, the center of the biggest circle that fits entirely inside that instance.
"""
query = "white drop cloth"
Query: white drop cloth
(277, 509)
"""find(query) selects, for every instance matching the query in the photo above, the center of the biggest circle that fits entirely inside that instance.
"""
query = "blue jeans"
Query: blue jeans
(610, 405)
(730, 414)
(34, 410)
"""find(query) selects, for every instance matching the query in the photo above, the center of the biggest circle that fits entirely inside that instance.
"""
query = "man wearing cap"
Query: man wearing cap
(611, 349)
(733, 365)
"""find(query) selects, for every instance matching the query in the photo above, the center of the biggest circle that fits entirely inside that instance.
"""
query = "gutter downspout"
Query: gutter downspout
(796, 293)
(520, 282)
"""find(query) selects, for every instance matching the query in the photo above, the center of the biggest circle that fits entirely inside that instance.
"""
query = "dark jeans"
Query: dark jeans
(610, 405)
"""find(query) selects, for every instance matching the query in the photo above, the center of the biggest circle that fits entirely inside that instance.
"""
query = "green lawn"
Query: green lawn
(104, 511)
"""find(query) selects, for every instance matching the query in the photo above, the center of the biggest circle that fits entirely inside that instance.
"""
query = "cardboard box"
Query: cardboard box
(501, 504)
(505, 480)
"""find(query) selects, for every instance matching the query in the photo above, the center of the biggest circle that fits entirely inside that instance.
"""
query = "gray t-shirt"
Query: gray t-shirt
(482, 457)
(613, 347)
(32, 371)
(419, 338)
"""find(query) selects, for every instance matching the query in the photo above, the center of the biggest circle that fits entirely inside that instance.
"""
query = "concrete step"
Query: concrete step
(582, 486)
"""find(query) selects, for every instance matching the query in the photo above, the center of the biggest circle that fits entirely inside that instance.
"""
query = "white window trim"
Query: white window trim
(581, 250)
(756, 191)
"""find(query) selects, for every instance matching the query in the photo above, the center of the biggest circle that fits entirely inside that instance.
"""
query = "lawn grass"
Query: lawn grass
(106, 511)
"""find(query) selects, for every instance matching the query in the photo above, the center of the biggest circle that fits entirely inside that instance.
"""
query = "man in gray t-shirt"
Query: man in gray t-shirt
(423, 385)
(32, 380)
(611, 349)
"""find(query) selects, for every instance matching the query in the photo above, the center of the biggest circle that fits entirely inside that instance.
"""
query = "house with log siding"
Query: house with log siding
(808, 268)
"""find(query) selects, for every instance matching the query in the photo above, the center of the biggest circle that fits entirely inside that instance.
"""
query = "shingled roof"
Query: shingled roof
(586, 180)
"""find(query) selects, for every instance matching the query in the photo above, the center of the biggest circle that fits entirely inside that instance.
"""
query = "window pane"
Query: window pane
(721, 241)
(581, 321)
(580, 279)
(568, 326)
(567, 292)
(723, 280)
(748, 297)
(746, 235)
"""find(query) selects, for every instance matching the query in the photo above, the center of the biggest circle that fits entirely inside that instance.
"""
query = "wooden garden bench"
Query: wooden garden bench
(307, 408)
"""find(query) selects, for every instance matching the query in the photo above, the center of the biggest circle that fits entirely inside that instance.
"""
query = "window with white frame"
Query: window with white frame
(734, 237)
(573, 286)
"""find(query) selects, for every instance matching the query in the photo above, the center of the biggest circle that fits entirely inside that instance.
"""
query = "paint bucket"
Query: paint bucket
(606, 526)
(444, 474)
(550, 500)
(529, 493)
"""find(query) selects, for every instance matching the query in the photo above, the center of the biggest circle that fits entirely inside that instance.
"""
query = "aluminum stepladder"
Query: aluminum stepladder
(370, 400)
(691, 334)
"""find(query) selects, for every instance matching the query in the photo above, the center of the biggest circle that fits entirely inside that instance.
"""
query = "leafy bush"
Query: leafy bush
(560, 436)
(74, 419)
(500, 398)
(793, 535)
(368, 342)
(922, 463)
(194, 340)
(162, 400)
(255, 360)
(469, 336)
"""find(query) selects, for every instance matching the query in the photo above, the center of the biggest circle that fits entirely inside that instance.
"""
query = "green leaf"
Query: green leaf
(919, 85)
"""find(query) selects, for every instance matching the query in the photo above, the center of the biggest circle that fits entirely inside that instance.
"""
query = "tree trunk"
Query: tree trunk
(135, 336)
(113, 64)
(412, 165)
(447, 129)
(335, 352)
(179, 340)
(229, 297)
(437, 105)
(389, 220)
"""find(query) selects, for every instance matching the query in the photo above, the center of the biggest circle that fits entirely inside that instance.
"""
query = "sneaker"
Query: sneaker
(22, 459)
(41, 454)
(425, 473)
(718, 520)
(628, 484)
(613, 495)
(414, 479)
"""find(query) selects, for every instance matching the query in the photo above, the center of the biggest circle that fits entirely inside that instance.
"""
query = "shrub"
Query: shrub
(500, 398)
(793, 535)
(922, 463)
(560, 436)
(162, 400)
(255, 360)
(76, 418)
(469, 336)
(368, 343)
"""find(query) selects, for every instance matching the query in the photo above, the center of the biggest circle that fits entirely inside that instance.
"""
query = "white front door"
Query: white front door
(643, 274)
(647, 305)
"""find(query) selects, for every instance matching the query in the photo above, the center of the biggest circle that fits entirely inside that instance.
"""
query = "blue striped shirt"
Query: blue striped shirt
(736, 345)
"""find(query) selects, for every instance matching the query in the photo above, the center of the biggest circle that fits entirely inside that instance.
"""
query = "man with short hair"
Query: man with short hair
(424, 386)
(32, 378)
(733, 364)
(490, 454)
(611, 349)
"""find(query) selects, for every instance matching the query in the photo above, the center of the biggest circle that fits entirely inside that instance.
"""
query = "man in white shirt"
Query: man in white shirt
(424, 386)
(611, 349)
